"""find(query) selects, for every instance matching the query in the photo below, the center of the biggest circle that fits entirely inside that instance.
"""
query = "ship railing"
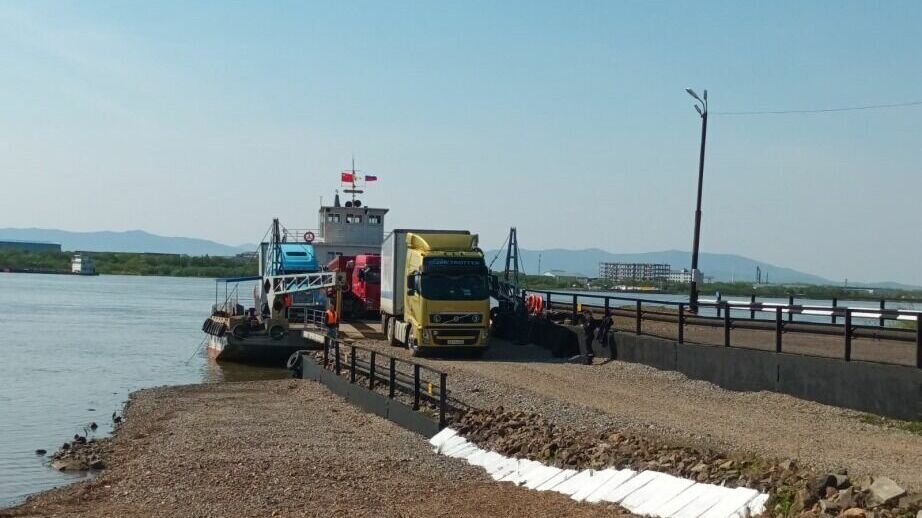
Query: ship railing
(300, 235)
(297, 282)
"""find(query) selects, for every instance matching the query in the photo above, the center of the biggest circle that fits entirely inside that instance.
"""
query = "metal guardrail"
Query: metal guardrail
(388, 374)
(848, 329)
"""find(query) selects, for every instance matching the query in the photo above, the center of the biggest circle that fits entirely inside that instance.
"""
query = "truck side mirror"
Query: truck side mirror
(411, 285)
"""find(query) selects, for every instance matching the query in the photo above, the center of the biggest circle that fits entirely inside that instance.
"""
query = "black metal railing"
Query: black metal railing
(421, 383)
(644, 309)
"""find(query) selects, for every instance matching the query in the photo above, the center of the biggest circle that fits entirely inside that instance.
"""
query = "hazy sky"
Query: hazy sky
(566, 119)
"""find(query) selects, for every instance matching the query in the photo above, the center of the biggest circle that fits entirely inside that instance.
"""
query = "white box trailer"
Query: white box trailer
(394, 265)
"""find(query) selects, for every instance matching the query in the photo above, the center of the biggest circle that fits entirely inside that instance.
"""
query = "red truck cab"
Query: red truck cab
(362, 292)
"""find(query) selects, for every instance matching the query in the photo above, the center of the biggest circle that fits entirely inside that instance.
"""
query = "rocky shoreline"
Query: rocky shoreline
(795, 490)
(277, 448)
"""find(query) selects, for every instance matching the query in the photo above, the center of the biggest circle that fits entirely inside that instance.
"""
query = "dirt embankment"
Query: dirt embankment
(667, 406)
(280, 448)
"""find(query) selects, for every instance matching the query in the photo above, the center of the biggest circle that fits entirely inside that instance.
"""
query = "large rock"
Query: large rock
(854, 512)
(883, 490)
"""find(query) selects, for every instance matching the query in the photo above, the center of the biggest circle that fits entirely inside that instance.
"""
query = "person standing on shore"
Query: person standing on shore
(605, 328)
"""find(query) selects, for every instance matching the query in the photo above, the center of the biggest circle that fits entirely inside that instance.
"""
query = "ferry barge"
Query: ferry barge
(292, 284)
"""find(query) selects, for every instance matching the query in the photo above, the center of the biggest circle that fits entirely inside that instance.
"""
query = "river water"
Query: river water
(73, 348)
(626, 299)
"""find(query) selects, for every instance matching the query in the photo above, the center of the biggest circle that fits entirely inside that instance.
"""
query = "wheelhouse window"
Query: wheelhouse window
(334, 218)
(353, 218)
(374, 220)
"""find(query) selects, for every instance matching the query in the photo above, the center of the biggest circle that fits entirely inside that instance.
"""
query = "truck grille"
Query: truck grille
(454, 318)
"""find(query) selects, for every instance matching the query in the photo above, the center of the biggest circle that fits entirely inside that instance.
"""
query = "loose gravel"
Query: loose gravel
(280, 448)
(666, 405)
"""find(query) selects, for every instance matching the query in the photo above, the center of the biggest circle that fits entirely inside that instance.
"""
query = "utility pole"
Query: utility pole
(703, 112)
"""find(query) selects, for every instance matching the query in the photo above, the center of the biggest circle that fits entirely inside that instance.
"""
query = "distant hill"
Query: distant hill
(722, 267)
(129, 241)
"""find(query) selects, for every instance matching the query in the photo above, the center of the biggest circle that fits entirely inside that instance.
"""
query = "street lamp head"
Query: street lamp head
(693, 94)
(699, 110)
(705, 95)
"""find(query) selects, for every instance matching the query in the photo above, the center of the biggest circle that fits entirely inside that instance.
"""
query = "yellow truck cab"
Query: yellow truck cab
(434, 291)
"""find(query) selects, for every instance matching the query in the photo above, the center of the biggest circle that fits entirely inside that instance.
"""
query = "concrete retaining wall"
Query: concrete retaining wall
(888, 390)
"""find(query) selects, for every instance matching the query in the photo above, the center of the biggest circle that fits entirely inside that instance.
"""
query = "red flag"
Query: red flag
(347, 177)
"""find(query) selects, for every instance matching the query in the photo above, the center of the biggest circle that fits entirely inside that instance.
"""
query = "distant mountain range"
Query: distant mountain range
(722, 267)
(129, 241)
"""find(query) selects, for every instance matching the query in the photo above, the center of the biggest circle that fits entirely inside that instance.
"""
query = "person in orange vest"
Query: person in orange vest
(332, 320)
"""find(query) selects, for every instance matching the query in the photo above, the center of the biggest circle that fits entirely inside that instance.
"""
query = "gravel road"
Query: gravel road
(280, 448)
(669, 406)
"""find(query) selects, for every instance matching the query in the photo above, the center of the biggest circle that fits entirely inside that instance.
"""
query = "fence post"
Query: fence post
(790, 308)
(415, 386)
(779, 327)
(336, 364)
(639, 318)
(848, 335)
(326, 352)
(574, 309)
(607, 306)
(752, 306)
(392, 378)
(371, 371)
(681, 323)
(919, 340)
(835, 303)
(883, 321)
(352, 364)
(727, 326)
(717, 307)
(443, 399)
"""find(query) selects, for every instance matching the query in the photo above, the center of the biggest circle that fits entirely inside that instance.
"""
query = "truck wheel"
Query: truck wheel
(391, 338)
(411, 345)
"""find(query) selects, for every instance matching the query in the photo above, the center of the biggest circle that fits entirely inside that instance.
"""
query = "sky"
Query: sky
(568, 120)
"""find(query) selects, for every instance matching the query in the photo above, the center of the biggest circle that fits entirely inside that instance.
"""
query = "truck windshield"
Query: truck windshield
(471, 286)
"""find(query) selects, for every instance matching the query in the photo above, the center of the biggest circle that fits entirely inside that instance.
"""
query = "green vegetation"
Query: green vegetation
(114, 263)
(909, 426)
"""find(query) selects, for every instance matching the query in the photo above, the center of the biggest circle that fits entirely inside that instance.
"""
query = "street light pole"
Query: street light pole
(703, 112)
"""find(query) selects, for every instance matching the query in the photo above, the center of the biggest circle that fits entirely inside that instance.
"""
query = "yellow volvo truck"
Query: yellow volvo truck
(434, 291)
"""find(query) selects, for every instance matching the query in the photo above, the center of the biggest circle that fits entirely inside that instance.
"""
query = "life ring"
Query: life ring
(293, 360)
(309, 237)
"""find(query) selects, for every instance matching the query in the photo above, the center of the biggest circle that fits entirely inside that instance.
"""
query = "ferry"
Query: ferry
(292, 284)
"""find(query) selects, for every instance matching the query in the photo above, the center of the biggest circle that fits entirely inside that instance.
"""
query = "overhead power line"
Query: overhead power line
(824, 110)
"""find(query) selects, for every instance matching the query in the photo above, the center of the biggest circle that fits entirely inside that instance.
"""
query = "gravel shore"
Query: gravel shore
(668, 406)
(280, 448)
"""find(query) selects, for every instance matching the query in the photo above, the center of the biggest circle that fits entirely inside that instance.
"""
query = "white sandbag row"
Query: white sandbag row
(648, 493)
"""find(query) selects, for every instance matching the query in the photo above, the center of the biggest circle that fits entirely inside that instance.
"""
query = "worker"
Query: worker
(332, 321)
(605, 328)
(589, 325)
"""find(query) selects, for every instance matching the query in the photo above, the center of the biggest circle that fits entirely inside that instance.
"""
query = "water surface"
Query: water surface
(73, 348)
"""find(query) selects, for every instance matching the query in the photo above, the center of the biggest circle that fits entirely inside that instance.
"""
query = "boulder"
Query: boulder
(854, 512)
(884, 490)
(69, 464)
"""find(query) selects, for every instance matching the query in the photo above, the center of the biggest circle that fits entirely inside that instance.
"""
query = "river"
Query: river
(75, 347)
(626, 298)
